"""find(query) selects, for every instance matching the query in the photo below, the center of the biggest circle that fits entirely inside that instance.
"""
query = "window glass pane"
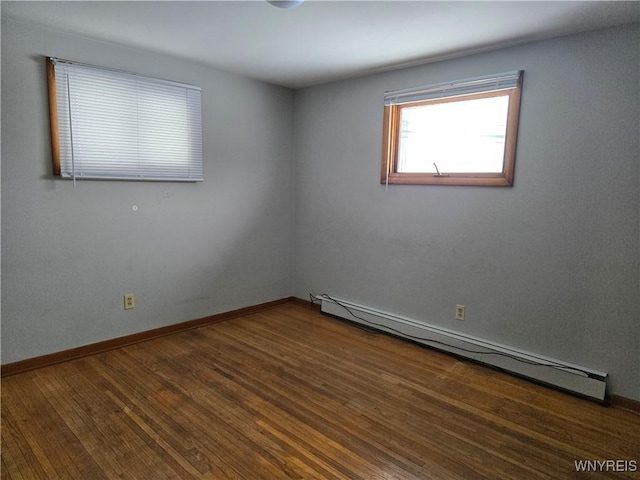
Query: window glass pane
(460, 136)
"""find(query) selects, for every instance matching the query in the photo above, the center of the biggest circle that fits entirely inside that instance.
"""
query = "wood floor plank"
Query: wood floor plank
(292, 394)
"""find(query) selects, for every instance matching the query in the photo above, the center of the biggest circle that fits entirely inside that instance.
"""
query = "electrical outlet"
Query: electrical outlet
(460, 311)
(129, 301)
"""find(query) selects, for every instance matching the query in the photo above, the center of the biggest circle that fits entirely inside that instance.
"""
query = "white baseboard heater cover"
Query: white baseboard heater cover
(567, 376)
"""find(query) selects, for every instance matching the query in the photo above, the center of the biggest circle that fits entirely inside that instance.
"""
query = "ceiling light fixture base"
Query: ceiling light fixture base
(285, 3)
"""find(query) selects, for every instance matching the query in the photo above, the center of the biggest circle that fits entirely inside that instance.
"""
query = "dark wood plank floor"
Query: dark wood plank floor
(290, 393)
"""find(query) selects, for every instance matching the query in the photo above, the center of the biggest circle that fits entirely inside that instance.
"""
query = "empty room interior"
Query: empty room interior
(393, 240)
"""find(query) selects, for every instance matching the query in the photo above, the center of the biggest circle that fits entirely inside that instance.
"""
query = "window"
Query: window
(457, 133)
(108, 124)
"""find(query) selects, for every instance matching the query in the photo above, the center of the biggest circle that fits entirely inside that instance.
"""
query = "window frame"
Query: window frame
(194, 153)
(391, 140)
(53, 116)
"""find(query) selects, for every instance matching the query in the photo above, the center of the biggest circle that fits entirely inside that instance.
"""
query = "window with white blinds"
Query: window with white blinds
(107, 124)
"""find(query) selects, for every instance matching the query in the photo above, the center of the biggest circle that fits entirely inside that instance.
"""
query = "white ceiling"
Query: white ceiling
(320, 41)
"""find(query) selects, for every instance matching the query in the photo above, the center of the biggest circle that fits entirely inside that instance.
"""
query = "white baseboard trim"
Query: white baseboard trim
(573, 378)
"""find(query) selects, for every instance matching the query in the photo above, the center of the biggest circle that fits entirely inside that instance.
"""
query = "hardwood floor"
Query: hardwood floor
(290, 393)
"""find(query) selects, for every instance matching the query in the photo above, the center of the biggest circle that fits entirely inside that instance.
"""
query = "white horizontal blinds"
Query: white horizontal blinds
(503, 81)
(115, 125)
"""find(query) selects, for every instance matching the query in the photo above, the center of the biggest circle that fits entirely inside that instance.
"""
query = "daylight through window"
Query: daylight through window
(458, 133)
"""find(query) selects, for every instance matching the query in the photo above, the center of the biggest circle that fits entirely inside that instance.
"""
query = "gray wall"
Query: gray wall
(191, 250)
(550, 266)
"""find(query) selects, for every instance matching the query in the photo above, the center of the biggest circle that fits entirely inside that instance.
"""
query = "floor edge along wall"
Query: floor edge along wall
(572, 378)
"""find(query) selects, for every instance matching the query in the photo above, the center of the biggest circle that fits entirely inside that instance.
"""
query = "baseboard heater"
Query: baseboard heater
(572, 378)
